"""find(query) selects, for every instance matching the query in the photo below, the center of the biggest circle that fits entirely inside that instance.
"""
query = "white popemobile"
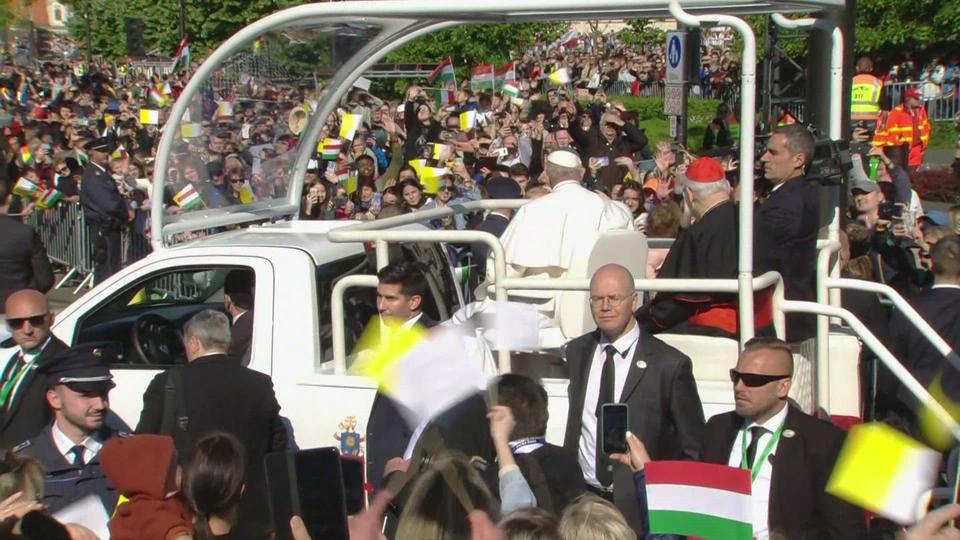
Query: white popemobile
(314, 280)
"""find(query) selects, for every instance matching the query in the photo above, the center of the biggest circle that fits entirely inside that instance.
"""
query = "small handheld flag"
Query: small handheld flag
(884, 471)
(560, 77)
(349, 125)
(330, 148)
(468, 120)
(181, 58)
(49, 199)
(191, 130)
(699, 499)
(149, 116)
(188, 198)
(25, 188)
(443, 72)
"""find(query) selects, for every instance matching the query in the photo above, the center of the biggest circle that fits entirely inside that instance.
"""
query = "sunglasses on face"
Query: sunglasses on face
(16, 323)
(236, 180)
(754, 380)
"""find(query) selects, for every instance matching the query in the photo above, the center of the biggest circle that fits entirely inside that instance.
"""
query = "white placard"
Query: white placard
(673, 96)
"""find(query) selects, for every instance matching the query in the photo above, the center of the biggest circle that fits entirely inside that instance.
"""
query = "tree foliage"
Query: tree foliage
(641, 34)
(896, 26)
(474, 44)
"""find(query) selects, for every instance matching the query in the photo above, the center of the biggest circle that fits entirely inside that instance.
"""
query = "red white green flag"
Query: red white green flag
(504, 73)
(188, 198)
(443, 72)
(442, 96)
(699, 499)
(181, 58)
(482, 77)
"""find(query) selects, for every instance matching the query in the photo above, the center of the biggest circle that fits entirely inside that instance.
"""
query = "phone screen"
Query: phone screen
(353, 484)
(309, 484)
(322, 500)
(613, 423)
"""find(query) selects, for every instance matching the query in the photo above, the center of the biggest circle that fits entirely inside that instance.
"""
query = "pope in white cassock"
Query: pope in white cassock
(545, 234)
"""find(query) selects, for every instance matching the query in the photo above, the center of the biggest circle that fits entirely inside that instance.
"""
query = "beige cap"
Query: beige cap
(564, 158)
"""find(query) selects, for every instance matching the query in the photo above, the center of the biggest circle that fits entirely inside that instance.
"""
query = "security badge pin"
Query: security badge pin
(789, 433)
(641, 364)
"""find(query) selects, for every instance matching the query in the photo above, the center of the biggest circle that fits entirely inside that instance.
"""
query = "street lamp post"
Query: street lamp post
(89, 39)
(183, 19)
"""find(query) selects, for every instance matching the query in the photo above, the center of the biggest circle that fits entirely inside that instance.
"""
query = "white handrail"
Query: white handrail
(883, 354)
(337, 317)
(908, 311)
(826, 249)
(748, 82)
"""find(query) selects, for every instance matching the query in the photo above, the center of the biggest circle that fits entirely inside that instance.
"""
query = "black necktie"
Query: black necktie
(77, 452)
(608, 382)
(755, 432)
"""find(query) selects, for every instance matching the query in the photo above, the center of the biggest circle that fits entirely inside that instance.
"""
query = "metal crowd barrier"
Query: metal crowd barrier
(726, 92)
(69, 242)
(942, 100)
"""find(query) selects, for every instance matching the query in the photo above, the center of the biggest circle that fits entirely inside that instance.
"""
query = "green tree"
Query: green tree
(641, 34)
(895, 26)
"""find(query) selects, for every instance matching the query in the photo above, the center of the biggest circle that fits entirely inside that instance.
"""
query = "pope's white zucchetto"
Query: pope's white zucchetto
(564, 158)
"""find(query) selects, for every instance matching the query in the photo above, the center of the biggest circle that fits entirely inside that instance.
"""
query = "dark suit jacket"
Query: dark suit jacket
(100, 198)
(241, 336)
(665, 408)
(219, 395)
(387, 431)
(23, 260)
(494, 224)
(785, 240)
(941, 308)
(799, 508)
(28, 413)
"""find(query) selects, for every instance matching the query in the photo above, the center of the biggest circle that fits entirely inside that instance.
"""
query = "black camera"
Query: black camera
(831, 162)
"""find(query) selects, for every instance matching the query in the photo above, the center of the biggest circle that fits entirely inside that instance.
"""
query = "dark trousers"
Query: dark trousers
(106, 250)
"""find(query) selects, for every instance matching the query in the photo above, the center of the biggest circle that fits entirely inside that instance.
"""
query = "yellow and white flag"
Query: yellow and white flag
(560, 77)
(468, 120)
(884, 471)
(349, 125)
(149, 116)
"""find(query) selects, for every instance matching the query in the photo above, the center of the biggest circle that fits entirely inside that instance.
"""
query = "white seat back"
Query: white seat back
(626, 248)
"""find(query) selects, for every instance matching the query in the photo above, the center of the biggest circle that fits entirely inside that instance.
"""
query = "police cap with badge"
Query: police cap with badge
(83, 368)
(101, 144)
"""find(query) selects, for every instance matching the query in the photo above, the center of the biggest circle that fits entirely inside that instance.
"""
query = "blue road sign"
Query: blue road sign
(674, 52)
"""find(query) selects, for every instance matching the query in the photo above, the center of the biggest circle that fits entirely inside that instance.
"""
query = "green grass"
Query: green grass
(944, 136)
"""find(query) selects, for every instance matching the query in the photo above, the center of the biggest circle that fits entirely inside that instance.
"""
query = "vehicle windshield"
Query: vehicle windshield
(238, 139)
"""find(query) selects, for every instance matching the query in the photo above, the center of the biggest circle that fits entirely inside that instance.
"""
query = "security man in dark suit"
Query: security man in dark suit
(496, 221)
(622, 363)
(188, 402)
(238, 288)
(939, 306)
(400, 295)
(23, 258)
(786, 224)
(78, 385)
(23, 391)
(104, 210)
(790, 454)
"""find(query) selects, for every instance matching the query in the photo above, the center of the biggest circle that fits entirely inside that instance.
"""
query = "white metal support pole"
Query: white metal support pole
(748, 112)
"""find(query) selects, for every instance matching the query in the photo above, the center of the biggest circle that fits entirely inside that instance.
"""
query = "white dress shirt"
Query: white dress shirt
(761, 486)
(91, 446)
(625, 345)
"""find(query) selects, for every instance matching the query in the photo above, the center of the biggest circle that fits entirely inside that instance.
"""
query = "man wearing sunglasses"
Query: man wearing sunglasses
(23, 405)
(789, 454)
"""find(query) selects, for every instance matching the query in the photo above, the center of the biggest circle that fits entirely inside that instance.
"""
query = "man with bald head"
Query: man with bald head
(620, 362)
(23, 403)
(789, 454)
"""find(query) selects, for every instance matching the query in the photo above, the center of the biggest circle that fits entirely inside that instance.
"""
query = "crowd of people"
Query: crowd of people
(482, 469)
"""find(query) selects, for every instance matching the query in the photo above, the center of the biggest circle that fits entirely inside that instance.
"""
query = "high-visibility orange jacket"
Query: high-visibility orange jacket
(905, 126)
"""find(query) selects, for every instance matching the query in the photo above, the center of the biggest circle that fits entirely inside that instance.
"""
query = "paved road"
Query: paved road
(64, 296)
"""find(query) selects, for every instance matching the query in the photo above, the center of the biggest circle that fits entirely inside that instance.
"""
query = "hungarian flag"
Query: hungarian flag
(482, 77)
(25, 188)
(511, 88)
(49, 199)
(181, 58)
(699, 499)
(569, 40)
(188, 198)
(330, 149)
(443, 72)
(504, 73)
(442, 97)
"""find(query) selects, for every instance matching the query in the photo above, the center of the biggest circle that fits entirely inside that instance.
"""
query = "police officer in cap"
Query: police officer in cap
(104, 209)
(78, 384)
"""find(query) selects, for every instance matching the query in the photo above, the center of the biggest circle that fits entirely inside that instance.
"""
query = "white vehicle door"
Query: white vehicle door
(143, 313)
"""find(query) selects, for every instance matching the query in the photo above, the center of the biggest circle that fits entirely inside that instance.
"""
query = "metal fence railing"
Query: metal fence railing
(69, 241)
(942, 100)
(726, 92)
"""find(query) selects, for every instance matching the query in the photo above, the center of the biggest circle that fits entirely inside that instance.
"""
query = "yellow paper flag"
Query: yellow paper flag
(884, 471)
(418, 165)
(380, 354)
(190, 131)
(148, 116)
(246, 194)
(560, 77)
(349, 125)
(441, 151)
(431, 178)
(468, 120)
